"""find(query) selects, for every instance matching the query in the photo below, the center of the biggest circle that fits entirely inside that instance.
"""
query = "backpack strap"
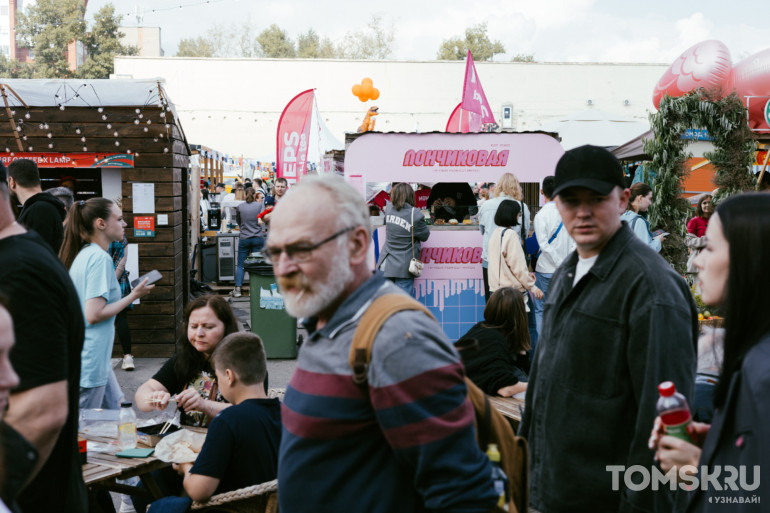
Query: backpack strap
(371, 322)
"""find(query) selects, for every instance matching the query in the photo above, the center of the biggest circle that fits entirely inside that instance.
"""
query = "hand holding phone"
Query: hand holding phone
(151, 276)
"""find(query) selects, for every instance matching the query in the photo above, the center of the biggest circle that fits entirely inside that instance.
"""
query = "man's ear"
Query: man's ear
(11, 183)
(625, 195)
(358, 243)
(230, 376)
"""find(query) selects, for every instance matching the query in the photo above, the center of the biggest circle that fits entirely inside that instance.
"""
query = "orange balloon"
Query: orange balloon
(363, 98)
(375, 93)
(366, 90)
(366, 81)
(356, 89)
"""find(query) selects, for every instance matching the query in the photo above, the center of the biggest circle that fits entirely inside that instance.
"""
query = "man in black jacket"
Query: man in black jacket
(40, 211)
(617, 322)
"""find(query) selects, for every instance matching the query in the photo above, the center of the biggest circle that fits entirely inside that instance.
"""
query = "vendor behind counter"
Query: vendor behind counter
(452, 201)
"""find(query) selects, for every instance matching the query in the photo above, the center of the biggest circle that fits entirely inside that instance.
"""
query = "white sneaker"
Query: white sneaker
(126, 506)
(236, 292)
(128, 362)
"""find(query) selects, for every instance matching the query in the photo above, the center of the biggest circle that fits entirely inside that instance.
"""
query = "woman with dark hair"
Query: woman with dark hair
(507, 262)
(188, 374)
(494, 350)
(252, 234)
(695, 239)
(404, 230)
(92, 226)
(733, 274)
(641, 197)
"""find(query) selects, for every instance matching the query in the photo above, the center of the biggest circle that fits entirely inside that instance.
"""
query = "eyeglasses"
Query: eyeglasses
(299, 253)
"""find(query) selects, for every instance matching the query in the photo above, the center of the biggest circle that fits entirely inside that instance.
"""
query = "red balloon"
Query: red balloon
(706, 64)
(751, 77)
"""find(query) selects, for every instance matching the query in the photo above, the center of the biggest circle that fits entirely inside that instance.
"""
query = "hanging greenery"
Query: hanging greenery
(734, 146)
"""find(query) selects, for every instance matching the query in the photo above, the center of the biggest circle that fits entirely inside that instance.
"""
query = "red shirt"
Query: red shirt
(697, 226)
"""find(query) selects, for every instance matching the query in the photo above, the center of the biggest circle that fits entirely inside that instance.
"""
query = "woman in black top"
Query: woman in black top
(733, 274)
(494, 351)
(188, 374)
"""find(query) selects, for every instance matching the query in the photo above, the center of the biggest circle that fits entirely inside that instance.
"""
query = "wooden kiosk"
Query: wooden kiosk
(119, 139)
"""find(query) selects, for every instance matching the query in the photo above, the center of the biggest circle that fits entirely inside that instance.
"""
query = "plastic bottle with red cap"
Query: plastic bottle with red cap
(673, 411)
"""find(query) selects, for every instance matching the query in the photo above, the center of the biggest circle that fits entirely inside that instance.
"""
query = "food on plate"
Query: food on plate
(453, 221)
(467, 221)
(439, 221)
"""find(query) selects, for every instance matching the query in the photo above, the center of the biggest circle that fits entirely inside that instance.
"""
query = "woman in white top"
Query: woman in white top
(507, 262)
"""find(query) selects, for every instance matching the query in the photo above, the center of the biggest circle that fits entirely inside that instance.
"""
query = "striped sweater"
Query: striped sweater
(404, 443)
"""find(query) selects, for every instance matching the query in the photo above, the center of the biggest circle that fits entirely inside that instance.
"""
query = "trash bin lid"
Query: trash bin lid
(258, 267)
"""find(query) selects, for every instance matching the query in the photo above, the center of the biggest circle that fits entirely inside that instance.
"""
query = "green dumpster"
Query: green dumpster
(269, 320)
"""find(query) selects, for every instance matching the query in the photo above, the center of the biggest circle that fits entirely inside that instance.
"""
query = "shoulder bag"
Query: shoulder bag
(415, 265)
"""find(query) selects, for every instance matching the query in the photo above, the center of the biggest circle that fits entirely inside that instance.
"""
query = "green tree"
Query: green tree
(311, 46)
(47, 29)
(275, 43)
(103, 44)
(375, 42)
(15, 69)
(195, 47)
(523, 57)
(476, 40)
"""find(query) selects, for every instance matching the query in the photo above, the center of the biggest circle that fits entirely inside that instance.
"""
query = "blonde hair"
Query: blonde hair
(508, 185)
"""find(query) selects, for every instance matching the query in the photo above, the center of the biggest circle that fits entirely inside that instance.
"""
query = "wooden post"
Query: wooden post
(764, 168)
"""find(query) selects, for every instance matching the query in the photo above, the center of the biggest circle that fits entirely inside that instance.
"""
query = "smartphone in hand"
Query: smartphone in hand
(153, 276)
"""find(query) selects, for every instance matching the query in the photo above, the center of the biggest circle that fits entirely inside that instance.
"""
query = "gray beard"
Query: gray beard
(315, 297)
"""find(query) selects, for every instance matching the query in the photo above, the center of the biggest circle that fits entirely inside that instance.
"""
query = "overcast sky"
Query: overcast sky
(653, 31)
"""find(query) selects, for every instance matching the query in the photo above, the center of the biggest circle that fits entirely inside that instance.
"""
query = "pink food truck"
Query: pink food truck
(451, 285)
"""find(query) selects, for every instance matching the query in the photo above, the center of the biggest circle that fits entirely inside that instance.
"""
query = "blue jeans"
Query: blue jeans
(531, 325)
(107, 396)
(542, 281)
(405, 284)
(245, 248)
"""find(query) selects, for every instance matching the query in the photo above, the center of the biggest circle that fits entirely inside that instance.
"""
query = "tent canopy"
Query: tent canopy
(634, 149)
(595, 127)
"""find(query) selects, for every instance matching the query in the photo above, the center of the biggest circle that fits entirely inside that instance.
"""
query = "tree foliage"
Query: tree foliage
(103, 44)
(725, 120)
(51, 25)
(476, 40)
(195, 47)
(374, 42)
(47, 29)
(15, 69)
(274, 42)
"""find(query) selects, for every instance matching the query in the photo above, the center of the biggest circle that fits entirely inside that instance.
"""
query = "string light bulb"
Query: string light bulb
(83, 139)
(104, 117)
(85, 148)
(100, 110)
(27, 115)
(115, 133)
(49, 135)
(117, 143)
(50, 145)
(77, 131)
(61, 107)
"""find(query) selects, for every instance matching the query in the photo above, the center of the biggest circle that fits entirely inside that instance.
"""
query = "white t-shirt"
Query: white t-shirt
(583, 266)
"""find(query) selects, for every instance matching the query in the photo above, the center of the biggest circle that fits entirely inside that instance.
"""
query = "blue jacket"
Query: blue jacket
(641, 229)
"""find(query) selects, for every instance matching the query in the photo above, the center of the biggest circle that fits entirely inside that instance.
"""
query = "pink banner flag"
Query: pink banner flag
(292, 137)
(474, 99)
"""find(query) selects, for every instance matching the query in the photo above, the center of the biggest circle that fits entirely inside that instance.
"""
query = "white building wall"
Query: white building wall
(234, 105)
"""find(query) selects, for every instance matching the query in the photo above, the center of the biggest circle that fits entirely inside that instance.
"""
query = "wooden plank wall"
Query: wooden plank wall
(158, 320)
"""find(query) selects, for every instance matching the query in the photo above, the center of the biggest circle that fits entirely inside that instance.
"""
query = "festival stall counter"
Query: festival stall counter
(451, 285)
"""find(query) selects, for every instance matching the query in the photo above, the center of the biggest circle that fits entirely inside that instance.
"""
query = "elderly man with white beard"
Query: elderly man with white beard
(406, 441)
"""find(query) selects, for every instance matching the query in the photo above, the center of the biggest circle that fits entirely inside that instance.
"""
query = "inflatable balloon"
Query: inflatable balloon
(751, 77)
(366, 91)
(706, 64)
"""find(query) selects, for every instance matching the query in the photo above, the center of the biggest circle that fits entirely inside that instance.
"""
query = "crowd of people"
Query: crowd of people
(585, 329)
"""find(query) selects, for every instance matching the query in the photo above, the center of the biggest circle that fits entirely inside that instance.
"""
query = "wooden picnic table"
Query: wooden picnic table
(104, 469)
(510, 407)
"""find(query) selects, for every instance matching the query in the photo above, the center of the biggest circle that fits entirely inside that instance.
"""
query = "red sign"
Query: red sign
(293, 132)
(144, 226)
(72, 159)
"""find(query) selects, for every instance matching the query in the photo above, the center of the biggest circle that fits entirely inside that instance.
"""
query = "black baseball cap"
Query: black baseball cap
(220, 184)
(589, 166)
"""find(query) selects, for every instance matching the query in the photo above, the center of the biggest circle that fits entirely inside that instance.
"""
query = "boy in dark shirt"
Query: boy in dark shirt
(241, 447)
